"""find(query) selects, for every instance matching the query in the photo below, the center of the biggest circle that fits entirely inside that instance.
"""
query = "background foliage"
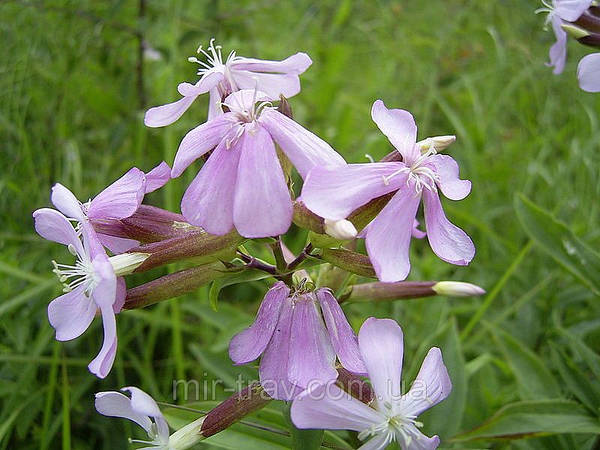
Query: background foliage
(72, 94)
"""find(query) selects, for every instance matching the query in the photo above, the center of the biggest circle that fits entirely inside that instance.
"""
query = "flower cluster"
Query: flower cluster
(244, 191)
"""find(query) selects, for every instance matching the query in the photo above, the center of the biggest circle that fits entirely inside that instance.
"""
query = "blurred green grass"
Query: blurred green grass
(70, 111)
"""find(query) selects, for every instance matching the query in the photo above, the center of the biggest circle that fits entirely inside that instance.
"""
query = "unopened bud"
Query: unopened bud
(126, 263)
(457, 289)
(340, 229)
(574, 30)
(437, 142)
(380, 291)
(187, 436)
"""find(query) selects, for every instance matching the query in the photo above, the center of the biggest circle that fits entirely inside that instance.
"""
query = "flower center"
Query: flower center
(422, 176)
(73, 276)
(401, 428)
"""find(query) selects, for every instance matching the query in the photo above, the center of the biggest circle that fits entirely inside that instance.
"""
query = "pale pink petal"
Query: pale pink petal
(304, 149)
(262, 205)
(103, 362)
(297, 64)
(121, 199)
(95, 250)
(570, 10)
(382, 346)
(214, 104)
(312, 357)
(157, 177)
(329, 407)
(272, 84)
(208, 200)
(121, 293)
(250, 343)
(558, 50)
(388, 236)
(416, 232)
(115, 404)
(71, 314)
(66, 202)
(421, 442)
(342, 336)
(159, 116)
(588, 73)
(117, 245)
(142, 403)
(52, 225)
(450, 184)
(200, 140)
(273, 369)
(334, 192)
(448, 242)
(431, 386)
(377, 442)
(399, 127)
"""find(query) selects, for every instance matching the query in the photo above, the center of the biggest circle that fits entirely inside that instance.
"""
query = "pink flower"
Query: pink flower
(588, 73)
(90, 285)
(118, 201)
(221, 78)
(392, 417)
(334, 192)
(298, 349)
(242, 184)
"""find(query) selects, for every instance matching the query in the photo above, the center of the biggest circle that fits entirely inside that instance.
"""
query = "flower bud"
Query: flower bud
(187, 436)
(340, 229)
(380, 291)
(126, 263)
(457, 289)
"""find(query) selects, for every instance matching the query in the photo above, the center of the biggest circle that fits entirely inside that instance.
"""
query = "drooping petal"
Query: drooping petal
(450, 184)
(200, 140)
(157, 177)
(304, 149)
(121, 199)
(329, 407)
(431, 386)
(262, 205)
(419, 441)
(66, 202)
(312, 357)
(588, 73)
(52, 225)
(250, 343)
(334, 192)
(159, 116)
(272, 84)
(214, 104)
(208, 200)
(273, 369)
(116, 244)
(342, 336)
(297, 64)
(448, 242)
(102, 363)
(399, 127)
(570, 10)
(121, 293)
(381, 346)
(71, 314)
(388, 236)
(115, 404)
(558, 50)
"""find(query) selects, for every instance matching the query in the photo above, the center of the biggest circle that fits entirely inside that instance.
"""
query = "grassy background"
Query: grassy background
(71, 111)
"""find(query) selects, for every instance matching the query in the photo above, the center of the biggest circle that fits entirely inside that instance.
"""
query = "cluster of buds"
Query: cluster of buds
(244, 197)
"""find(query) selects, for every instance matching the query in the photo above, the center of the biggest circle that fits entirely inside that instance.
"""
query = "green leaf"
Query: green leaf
(556, 239)
(576, 381)
(242, 276)
(534, 381)
(587, 354)
(306, 439)
(445, 419)
(534, 418)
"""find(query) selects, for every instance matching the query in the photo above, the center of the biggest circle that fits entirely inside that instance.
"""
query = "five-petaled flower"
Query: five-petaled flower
(90, 285)
(221, 78)
(392, 417)
(242, 184)
(298, 349)
(334, 192)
